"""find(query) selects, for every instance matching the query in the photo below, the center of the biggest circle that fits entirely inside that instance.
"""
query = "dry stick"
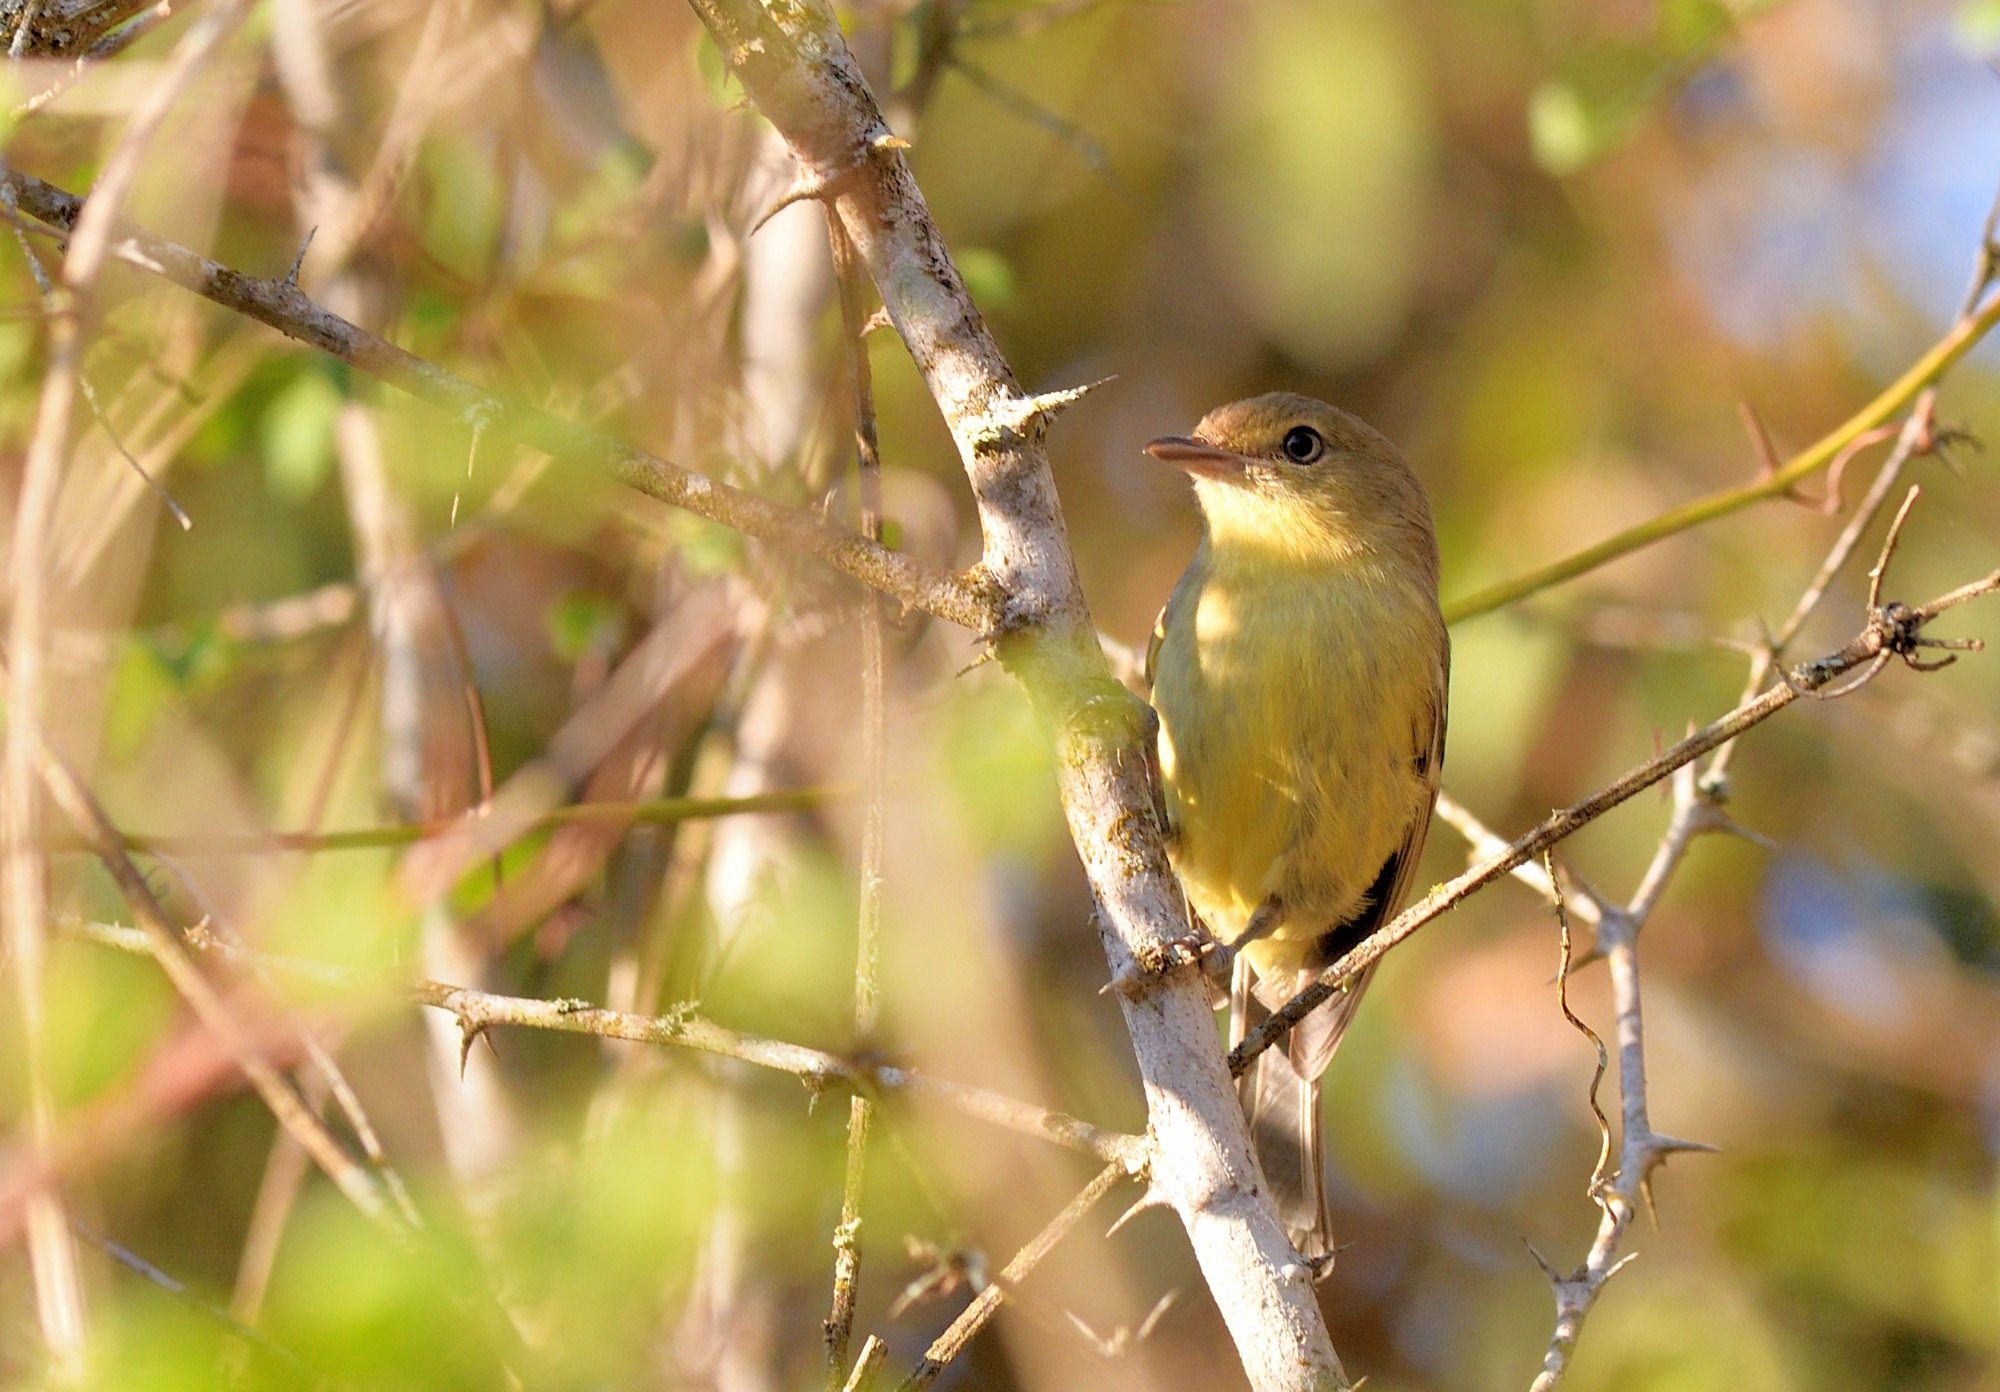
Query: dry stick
(986, 1304)
(353, 1179)
(478, 1011)
(1892, 631)
(839, 1326)
(1956, 343)
(962, 599)
(69, 28)
(798, 72)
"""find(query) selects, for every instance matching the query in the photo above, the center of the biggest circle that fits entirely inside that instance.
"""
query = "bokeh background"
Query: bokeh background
(1549, 246)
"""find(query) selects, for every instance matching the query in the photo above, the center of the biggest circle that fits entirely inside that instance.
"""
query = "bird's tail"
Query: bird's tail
(1280, 1095)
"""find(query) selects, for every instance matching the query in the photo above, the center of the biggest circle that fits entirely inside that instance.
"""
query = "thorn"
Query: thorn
(292, 276)
(1028, 415)
(803, 189)
(1046, 406)
(1729, 826)
(1556, 1278)
(1663, 1146)
(878, 320)
(1160, 1308)
(1152, 1198)
(469, 1032)
(1107, 1348)
(1760, 440)
(1619, 1266)
(1836, 472)
(987, 655)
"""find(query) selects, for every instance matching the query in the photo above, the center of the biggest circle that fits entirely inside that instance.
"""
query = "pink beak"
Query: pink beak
(1198, 457)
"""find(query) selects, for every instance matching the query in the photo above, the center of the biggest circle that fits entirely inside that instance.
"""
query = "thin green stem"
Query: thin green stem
(659, 811)
(1927, 369)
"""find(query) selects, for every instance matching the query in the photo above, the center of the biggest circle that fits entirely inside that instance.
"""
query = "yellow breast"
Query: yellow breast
(1295, 703)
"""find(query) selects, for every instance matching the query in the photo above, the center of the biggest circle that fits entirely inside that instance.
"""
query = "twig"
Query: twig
(1546, 879)
(1641, 1149)
(1915, 388)
(479, 1011)
(652, 812)
(986, 1304)
(1892, 631)
(961, 599)
(868, 1366)
(839, 1327)
(1917, 437)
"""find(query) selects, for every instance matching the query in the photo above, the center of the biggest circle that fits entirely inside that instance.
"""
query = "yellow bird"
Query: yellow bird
(1299, 671)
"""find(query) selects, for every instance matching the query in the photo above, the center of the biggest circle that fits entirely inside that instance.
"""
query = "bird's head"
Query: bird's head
(1288, 475)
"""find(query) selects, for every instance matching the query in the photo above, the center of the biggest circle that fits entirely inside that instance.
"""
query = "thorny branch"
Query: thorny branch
(1958, 340)
(797, 70)
(1697, 808)
(682, 1027)
(1641, 1149)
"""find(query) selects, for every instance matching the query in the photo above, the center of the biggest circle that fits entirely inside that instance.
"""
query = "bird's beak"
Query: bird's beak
(1198, 457)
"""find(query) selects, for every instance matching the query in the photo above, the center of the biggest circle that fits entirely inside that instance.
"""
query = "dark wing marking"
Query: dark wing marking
(1392, 882)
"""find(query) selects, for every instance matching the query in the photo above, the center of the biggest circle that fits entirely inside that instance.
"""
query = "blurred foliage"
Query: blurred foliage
(1547, 245)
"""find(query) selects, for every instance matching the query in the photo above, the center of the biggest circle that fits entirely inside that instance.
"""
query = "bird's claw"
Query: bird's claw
(1154, 965)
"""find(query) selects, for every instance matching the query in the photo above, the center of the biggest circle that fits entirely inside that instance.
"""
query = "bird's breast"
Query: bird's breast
(1292, 706)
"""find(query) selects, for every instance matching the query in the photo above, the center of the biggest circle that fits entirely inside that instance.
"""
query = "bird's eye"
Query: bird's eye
(1303, 444)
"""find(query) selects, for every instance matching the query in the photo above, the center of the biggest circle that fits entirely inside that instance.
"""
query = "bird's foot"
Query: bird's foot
(1154, 964)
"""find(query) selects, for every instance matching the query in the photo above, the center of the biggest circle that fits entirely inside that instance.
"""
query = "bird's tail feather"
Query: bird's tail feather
(1280, 1095)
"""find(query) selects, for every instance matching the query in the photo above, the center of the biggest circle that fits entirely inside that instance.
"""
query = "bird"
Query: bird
(1299, 673)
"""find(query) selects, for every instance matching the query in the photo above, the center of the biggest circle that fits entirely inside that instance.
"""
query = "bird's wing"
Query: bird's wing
(1430, 744)
(1313, 1042)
